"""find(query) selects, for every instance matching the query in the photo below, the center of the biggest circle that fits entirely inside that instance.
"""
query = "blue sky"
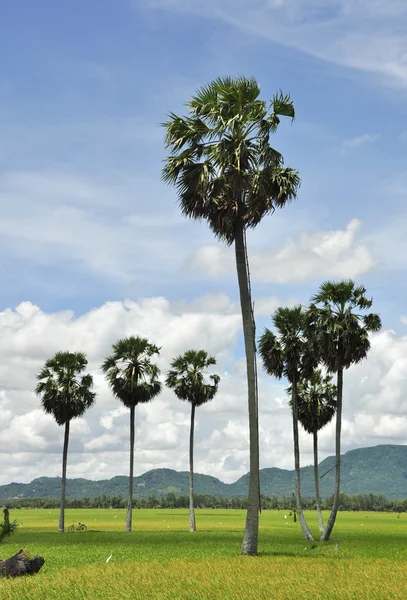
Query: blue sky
(85, 218)
(83, 92)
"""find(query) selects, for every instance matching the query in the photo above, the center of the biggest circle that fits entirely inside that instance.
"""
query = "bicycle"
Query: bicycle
(79, 527)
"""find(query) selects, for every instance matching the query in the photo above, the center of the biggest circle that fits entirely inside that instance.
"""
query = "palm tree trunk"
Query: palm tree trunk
(61, 527)
(250, 539)
(304, 527)
(192, 523)
(316, 478)
(332, 517)
(129, 515)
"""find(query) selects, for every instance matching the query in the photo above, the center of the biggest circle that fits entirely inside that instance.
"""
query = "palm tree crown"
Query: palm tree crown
(64, 392)
(187, 378)
(222, 163)
(336, 325)
(131, 375)
(316, 401)
(286, 354)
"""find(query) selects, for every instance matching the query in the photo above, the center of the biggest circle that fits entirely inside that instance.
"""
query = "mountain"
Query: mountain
(377, 470)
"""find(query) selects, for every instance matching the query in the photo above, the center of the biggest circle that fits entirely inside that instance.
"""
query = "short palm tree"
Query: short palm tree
(316, 402)
(226, 173)
(285, 355)
(133, 379)
(340, 333)
(187, 379)
(66, 393)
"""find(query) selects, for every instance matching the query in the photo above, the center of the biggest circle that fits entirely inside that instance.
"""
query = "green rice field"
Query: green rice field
(161, 559)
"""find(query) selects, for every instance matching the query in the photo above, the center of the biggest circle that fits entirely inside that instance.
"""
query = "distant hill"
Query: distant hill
(377, 470)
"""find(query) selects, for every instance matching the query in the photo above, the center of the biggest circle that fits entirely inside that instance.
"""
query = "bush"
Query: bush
(7, 529)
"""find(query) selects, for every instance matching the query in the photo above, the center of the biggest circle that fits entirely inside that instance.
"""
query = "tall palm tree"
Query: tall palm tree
(316, 402)
(133, 379)
(285, 354)
(187, 379)
(226, 172)
(340, 333)
(65, 393)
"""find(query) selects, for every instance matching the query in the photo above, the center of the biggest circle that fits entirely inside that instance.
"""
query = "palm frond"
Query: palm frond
(283, 105)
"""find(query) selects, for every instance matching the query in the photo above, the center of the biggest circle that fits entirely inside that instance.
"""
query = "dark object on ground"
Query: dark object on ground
(21, 564)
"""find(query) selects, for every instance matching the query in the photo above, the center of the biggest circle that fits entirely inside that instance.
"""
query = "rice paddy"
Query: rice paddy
(161, 559)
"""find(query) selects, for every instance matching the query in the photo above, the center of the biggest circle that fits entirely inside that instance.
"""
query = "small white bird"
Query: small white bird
(108, 558)
(364, 379)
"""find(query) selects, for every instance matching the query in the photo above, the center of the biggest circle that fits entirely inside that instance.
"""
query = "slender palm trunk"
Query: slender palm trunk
(304, 527)
(192, 522)
(250, 539)
(61, 527)
(129, 515)
(316, 478)
(332, 517)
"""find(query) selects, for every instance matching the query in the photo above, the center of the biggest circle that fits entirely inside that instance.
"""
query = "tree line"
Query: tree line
(226, 172)
(358, 502)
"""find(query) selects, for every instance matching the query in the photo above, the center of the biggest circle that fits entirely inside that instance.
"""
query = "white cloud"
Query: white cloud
(361, 140)
(335, 253)
(361, 34)
(375, 402)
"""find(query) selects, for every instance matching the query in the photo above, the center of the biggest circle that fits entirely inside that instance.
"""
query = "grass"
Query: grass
(161, 560)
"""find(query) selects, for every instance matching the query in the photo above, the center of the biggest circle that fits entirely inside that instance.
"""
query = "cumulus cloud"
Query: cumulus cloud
(361, 34)
(336, 253)
(29, 336)
(375, 402)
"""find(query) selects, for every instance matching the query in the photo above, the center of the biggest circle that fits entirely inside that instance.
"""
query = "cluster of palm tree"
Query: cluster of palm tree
(133, 378)
(226, 172)
(334, 333)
